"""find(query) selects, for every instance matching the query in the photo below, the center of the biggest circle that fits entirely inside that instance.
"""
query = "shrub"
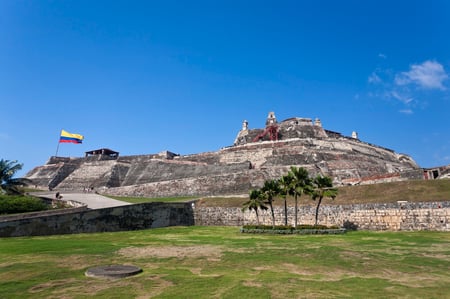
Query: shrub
(20, 204)
(348, 225)
(304, 229)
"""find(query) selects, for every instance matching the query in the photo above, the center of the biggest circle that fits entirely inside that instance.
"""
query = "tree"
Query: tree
(270, 190)
(323, 187)
(8, 184)
(300, 184)
(285, 184)
(255, 202)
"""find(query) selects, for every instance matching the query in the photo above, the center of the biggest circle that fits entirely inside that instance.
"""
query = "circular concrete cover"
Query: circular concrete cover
(113, 271)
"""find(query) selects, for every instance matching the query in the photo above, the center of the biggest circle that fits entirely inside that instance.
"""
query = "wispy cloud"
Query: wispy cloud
(406, 111)
(408, 87)
(430, 74)
(401, 97)
(374, 78)
(381, 55)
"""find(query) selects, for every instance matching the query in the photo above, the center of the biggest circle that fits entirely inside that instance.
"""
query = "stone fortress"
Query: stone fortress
(256, 155)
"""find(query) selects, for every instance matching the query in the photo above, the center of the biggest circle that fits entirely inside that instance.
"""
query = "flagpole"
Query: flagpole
(57, 148)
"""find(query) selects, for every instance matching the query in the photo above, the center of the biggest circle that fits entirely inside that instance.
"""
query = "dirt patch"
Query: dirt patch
(158, 286)
(252, 284)
(212, 253)
(76, 262)
(51, 284)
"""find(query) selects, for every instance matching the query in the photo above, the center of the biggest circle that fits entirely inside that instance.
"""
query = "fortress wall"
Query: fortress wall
(304, 144)
(41, 176)
(393, 217)
(225, 184)
(257, 157)
(89, 174)
(123, 218)
(401, 216)
(207, 158)
(50, 175)
(164, 170)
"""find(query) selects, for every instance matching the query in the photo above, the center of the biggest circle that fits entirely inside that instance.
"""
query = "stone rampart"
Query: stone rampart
(401, 216)
(228, 183)
(123, 218)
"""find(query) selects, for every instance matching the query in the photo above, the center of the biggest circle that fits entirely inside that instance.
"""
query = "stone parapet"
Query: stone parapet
(401, 216)
(123, 218)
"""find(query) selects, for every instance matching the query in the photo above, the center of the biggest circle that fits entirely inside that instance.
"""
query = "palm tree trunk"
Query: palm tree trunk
(296, 210)
(273, 214)
(317, 209)
(285, 212)
(257, 217)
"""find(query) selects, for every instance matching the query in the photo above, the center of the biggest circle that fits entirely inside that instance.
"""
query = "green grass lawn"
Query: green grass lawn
(220, 262)
(413, 191)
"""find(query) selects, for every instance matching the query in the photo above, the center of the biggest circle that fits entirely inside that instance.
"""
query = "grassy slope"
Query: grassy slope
(223, 263)
(415, 191)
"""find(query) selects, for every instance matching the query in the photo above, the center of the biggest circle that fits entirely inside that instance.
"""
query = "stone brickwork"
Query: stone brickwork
(123, 218)
(400, 216)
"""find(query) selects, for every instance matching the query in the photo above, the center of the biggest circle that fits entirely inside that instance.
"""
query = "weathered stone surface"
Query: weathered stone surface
(123, 218)
(113, 271)
(234, 169)
(402, 216)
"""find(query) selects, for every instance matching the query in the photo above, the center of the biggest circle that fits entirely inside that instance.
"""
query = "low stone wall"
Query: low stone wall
(402, 216)
(123, 218)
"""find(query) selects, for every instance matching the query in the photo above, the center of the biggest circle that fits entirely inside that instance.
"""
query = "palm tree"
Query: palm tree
(285, 183)
(323, 187)
(270, 190)
(8, 184)
(255, 202)
(300, 184)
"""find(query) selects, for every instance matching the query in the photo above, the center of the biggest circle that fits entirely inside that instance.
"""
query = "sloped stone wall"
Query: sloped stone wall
(433, 216)
(123, 218)
(400, 216)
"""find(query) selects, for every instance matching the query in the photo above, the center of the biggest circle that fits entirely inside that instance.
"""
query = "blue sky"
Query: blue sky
(140, 77)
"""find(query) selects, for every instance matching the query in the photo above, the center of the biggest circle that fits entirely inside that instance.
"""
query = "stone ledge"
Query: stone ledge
(113, 271)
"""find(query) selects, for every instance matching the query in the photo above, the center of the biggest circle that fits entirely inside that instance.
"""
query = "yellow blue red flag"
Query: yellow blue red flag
(67, 137)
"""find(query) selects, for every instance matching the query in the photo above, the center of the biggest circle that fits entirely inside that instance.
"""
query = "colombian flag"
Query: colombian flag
(67, 137)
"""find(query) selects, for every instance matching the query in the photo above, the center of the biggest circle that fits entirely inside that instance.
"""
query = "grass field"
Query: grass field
(220, 262)
(414, 191)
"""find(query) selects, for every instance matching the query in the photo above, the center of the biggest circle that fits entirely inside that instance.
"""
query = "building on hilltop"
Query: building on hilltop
(294, 127)
(256, 155)
(102, 153)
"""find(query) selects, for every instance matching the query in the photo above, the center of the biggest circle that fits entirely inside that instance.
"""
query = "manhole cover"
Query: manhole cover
(113, 271)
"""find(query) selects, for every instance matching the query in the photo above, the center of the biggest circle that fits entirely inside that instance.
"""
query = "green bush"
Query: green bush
(304, 229)
(290, 227)
(20, 204)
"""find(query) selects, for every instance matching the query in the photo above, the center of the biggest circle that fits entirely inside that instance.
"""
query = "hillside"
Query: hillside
(415, 191)
(256, 155)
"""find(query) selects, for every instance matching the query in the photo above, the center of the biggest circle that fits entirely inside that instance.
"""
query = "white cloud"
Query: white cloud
(406, 111)
(429, 74)
(381, 55)
(374, 78)
(402, 98)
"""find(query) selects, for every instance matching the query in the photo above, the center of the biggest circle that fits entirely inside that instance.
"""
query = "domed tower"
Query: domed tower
(271, 119)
